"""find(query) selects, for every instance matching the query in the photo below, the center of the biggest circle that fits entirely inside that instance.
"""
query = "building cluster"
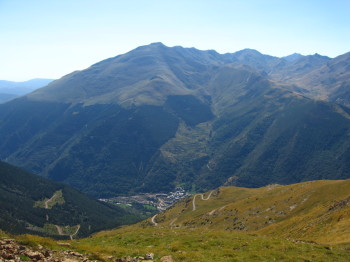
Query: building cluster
(161, 201)
(167, 200)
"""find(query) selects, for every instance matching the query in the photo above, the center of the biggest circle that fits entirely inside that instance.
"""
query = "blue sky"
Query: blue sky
(51, 38)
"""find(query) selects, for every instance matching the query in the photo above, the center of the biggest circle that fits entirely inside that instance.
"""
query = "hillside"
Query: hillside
(6, 97)
(331, 80)
(10, 89)
(316, 211)
(32, 204)
(314, 76)
(159, 117)
(301, 222)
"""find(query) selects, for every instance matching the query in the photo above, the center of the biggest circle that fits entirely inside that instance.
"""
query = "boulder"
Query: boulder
(34, 255)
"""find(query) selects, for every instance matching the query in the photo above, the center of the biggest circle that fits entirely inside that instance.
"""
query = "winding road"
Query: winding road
(153, 220)
(202, 196)
(193, 208)
(76, 232)
(60, 231)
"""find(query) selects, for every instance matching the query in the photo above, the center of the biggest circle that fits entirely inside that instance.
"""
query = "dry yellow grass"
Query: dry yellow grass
(313, 211)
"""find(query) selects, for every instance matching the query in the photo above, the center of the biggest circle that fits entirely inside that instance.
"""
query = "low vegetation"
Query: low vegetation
(203, 245)
(301, 222)
(312, 211)
(47, 203)
(32, 204)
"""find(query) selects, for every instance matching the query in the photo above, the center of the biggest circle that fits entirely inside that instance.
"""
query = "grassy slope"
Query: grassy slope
(301, 222)
(314, 211)
(205, 245)
(319, 206)
(190, 245)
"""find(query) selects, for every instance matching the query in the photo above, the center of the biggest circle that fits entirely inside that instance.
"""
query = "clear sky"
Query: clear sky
(51, 38)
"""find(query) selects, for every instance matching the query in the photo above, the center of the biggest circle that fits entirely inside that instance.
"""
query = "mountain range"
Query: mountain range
(159, 117)
(10, 89)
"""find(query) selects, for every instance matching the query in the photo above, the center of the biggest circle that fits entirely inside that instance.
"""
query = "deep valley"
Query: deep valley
(178, 154)
(160, 117)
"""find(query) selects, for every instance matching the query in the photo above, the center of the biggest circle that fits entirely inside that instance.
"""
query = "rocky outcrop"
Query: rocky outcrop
(11, 250)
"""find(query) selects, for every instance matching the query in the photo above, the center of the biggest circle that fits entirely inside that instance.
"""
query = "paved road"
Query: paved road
(202, 196)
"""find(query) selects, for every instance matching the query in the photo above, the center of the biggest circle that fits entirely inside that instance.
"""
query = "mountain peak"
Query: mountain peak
(151, 46)
(293, 57)
(248, 51)
(157, 44)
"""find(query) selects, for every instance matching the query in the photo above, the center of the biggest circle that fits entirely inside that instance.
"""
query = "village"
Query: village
(160, 201)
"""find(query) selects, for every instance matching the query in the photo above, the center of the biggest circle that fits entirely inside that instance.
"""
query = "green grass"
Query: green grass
(204, 246)
(320, 214)
(313, 211)
(149, 207)
(281, 223)
(2, 233)
(56, 199)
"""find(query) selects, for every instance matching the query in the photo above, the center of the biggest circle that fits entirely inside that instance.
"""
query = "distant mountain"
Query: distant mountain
(6, 97)
(255, 59)
(331, 81)
(315, 76)
(299, 67)
(10, 89)
(292, 57)
(32, 204)
(160, 117)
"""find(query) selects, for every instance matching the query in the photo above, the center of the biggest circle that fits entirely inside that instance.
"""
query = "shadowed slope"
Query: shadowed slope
(159, 117)
(32, 204)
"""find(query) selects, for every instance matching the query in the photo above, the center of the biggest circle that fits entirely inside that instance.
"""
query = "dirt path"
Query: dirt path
(59, 230)
(202, 196)
(153, 221)
(173, 221)
(48, 201)
(76, 232)
(211, 212)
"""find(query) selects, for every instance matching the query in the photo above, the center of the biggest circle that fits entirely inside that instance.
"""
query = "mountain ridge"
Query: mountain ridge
(11, 89)
(159, 117)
